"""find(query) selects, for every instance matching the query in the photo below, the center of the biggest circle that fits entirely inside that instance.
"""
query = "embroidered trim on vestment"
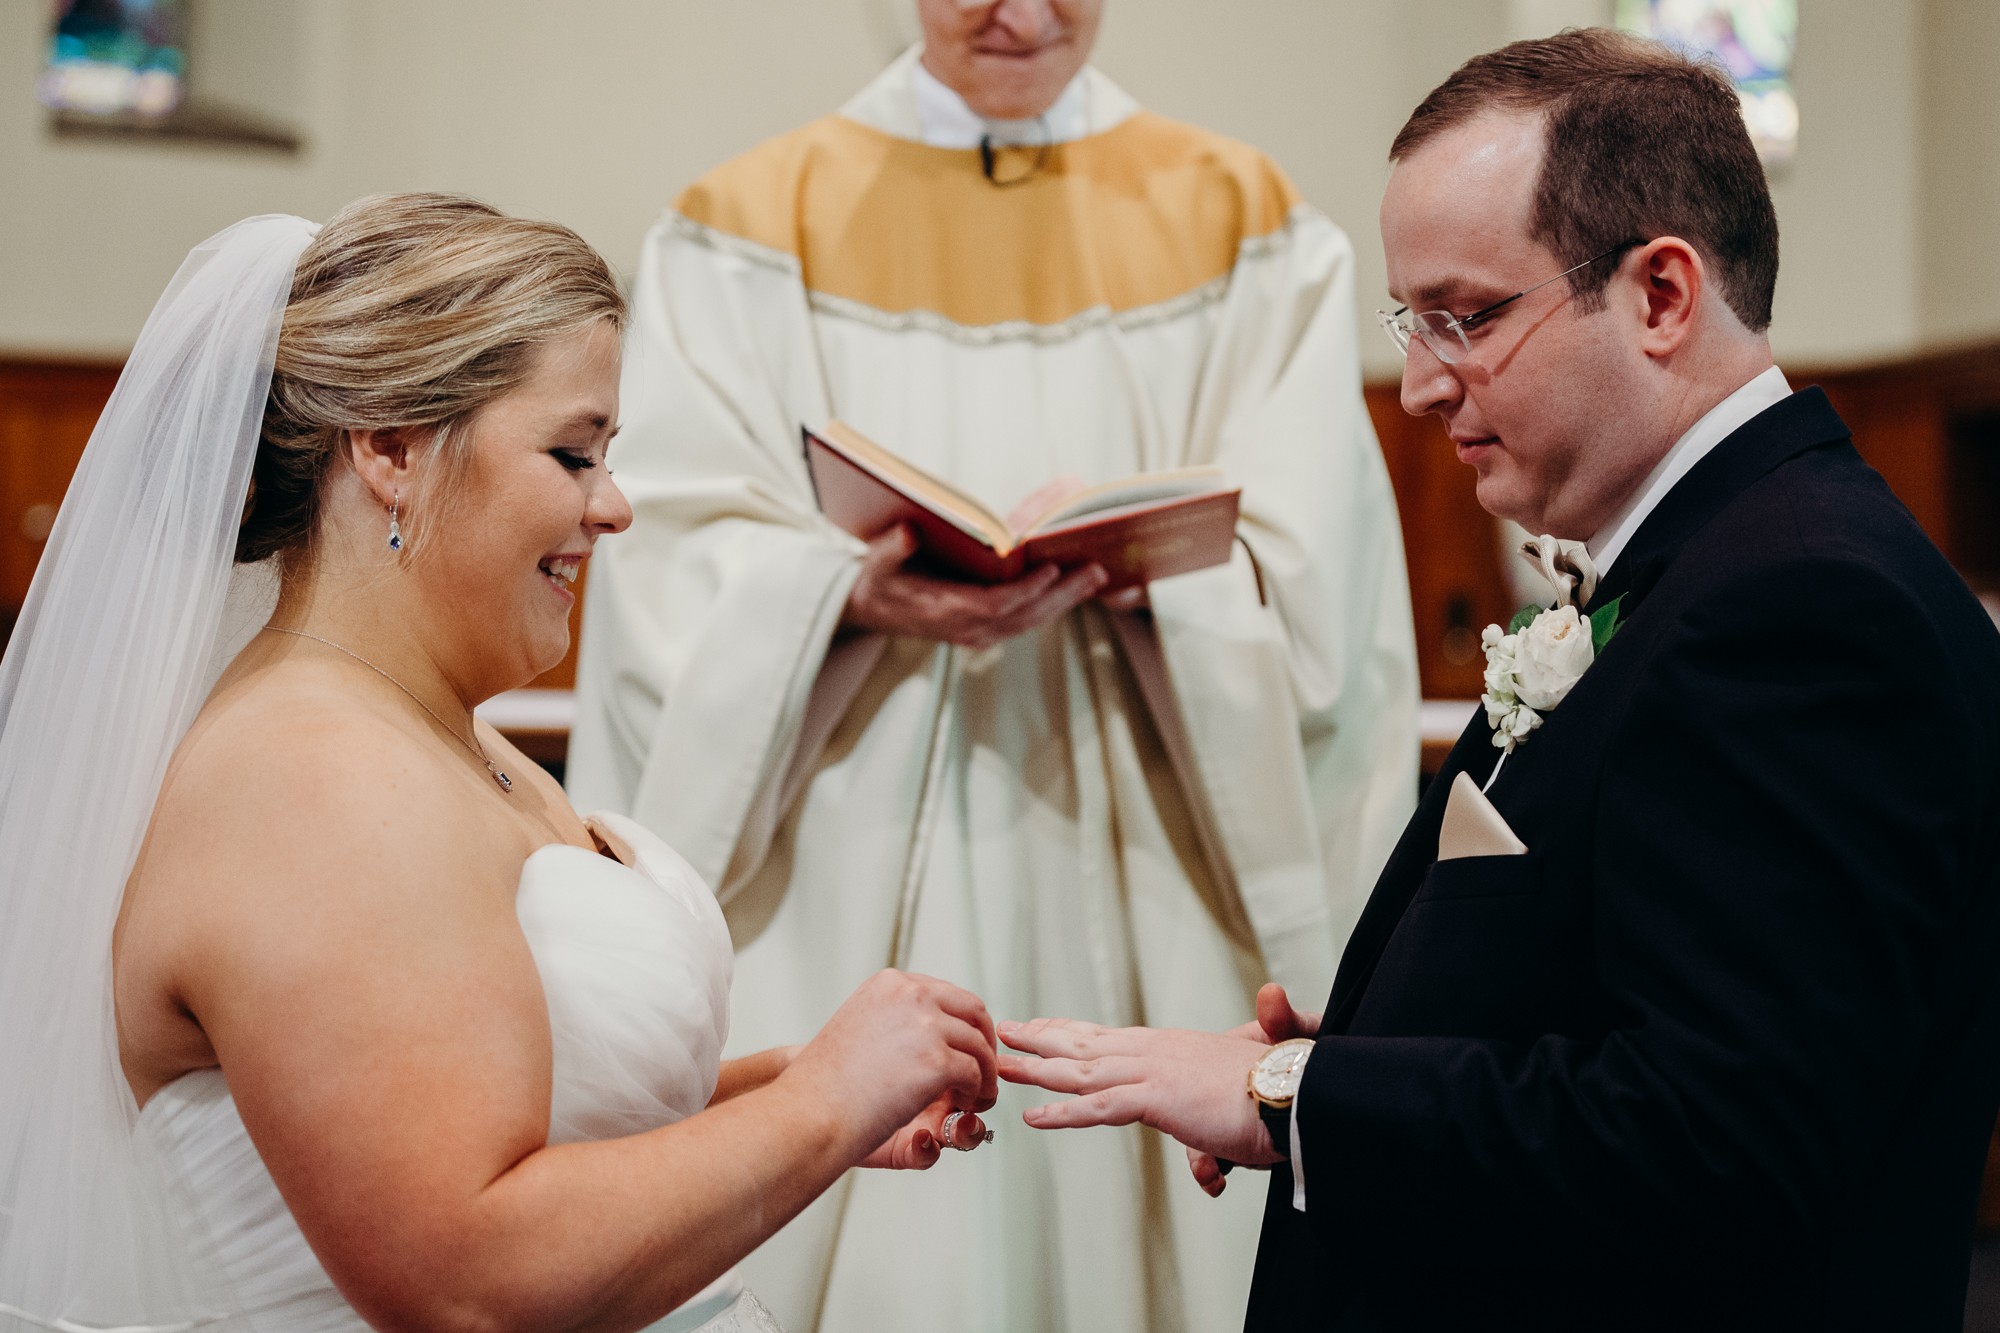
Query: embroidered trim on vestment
(723, 243)
(1018, 330)
(1048, 335)
(990, 335)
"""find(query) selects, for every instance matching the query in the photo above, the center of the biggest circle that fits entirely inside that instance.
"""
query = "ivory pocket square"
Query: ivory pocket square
(1472, 827)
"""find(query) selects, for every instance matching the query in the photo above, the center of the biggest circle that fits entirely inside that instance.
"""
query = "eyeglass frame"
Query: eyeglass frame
(1401, 334)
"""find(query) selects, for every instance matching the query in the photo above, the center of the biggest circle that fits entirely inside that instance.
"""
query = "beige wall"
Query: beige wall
(596, 112)
(1959, 121)
(1849, 207)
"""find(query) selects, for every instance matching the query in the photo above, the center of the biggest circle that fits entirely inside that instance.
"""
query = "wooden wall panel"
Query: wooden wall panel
(47, 411)
(1932, 429)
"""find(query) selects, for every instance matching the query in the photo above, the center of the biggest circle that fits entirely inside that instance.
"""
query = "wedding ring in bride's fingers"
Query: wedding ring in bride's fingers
(950, 1134)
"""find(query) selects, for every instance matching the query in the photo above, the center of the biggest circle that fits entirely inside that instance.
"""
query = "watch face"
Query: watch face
(1277, 1075)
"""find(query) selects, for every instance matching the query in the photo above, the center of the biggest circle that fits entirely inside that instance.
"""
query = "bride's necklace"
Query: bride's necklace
(506, 784)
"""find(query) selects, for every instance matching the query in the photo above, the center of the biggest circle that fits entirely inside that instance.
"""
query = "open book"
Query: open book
(1139, 528)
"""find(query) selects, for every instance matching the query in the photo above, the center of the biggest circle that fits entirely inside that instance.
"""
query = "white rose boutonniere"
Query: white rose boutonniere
(1553, 653)
(1532, 665)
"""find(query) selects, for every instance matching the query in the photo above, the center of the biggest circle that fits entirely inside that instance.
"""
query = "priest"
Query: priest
(1141, 808)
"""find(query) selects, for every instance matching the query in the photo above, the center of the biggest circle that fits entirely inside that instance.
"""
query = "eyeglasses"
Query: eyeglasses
(1444, 333)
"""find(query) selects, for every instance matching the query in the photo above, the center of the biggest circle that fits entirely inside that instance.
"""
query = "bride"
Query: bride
(320, 1005)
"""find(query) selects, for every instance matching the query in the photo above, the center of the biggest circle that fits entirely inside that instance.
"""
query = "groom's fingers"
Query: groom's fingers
(1070, 1038)
(1122, 1105)
(1275, 1013)
(1082, 1076)
(1279, 1020)
(1208, 1173)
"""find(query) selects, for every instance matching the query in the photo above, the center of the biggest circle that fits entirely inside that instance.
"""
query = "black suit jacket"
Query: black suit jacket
(1723, 1049)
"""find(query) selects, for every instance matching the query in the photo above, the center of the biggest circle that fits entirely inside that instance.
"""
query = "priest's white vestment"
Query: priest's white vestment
(1122, 817)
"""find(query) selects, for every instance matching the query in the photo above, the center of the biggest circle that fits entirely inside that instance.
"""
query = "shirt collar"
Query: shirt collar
(1721, 421)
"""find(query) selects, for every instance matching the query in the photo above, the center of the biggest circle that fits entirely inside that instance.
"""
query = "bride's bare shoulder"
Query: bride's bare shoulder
(293, 772)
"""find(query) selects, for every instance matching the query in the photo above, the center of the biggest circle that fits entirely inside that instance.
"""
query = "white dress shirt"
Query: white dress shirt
(1766, 390)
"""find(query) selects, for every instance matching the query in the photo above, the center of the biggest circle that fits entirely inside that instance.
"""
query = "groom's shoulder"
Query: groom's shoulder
(1820, 550)
(1827, 514)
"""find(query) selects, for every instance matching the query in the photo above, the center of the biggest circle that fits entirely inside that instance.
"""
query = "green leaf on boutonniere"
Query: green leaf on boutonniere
(1604, 623)
(1525, 617)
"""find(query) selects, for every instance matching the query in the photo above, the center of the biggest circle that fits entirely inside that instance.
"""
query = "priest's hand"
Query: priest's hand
(1048, 498)
(892, 599)
(1276, 1021)
(1193, 1086)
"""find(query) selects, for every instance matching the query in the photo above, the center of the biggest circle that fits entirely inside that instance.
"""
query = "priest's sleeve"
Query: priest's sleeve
(707, 624)
(1295, 666)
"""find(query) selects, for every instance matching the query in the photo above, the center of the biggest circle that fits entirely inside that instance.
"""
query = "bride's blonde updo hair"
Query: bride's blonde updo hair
(409, 310)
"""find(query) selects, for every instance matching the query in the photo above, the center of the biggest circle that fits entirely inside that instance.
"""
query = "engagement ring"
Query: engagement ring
(950, 1133)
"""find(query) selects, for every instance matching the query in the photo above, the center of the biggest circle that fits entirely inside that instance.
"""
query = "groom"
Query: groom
(1703, 1030)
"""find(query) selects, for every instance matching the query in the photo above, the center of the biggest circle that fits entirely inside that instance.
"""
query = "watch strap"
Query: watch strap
(1278, 1119)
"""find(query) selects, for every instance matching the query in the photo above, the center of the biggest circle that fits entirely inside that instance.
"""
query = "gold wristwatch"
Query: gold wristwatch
(1274, 1082)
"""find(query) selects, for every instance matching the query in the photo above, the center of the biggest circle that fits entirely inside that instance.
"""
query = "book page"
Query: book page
(934, 493)
(1129, 493)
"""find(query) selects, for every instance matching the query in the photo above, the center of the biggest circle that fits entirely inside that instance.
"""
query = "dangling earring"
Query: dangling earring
(395, 533)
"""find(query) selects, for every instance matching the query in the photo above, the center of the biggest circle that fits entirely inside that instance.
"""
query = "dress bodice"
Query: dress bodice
(635, 964)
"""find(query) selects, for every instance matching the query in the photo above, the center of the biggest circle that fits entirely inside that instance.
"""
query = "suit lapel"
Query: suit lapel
(1804, 421)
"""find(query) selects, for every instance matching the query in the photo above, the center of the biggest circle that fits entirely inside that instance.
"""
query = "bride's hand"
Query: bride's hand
(918, 1145)
(902, 1046)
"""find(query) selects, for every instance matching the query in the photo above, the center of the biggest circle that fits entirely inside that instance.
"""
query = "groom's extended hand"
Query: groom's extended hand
(1191, 1085)
(1276, 1021)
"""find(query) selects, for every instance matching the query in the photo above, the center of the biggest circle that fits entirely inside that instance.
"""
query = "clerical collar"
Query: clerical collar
(949, 123)
(1765, 391)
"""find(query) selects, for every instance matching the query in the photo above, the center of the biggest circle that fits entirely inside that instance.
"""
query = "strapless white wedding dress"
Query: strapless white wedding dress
(635, 962)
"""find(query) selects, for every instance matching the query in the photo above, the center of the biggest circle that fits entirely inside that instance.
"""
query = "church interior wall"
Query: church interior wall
(596, 114)
(1959, 128)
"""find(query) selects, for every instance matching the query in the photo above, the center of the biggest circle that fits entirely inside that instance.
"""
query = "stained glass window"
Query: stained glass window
(1753, 40)
(111, 56)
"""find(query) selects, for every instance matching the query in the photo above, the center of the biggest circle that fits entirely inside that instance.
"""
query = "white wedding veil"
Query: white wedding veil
(108, 665)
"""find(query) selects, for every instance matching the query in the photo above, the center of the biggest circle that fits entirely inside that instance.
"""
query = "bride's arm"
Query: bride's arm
(350, 949)
(752, 1071)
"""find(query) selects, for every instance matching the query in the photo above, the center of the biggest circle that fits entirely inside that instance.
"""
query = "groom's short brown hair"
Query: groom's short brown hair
(1639, 142)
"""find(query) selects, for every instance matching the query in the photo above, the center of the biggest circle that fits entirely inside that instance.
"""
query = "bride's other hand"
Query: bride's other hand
(902, 1047)
(918, 1145)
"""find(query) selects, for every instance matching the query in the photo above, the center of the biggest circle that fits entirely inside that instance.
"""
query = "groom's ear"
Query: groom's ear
(1674, 282)
(381, 458)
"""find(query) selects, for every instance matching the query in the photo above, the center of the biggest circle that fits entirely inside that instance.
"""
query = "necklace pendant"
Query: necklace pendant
(506, 783)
